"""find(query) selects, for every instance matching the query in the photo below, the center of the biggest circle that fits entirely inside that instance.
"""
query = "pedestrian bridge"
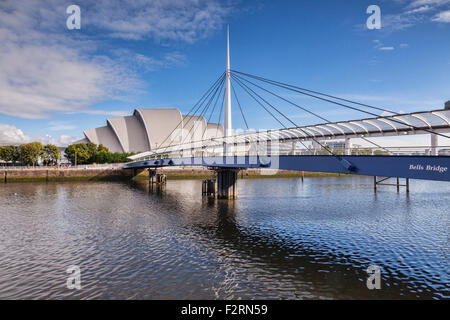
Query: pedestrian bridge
(325, 146)
(282, 149)
(411, 167)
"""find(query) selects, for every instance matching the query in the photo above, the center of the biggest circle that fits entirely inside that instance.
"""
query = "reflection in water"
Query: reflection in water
(281, 239)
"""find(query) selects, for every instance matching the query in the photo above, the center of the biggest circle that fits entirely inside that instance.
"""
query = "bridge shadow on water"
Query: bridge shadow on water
(302, 267)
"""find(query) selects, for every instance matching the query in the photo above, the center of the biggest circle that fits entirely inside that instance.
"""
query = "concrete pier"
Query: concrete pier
(226, 183)
(209, 187)
(156, 178)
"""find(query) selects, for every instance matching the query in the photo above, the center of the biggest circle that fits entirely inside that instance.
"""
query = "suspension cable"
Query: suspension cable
(239, 104)
(319, 93)
(280, 97)
(220, 113)
(214, 108)
(290, 87)
(197, 106)
(246, 88)
(294, 104)
(204, 110)
(281, 123)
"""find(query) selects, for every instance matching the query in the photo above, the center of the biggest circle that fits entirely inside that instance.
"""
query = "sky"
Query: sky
(55, 82)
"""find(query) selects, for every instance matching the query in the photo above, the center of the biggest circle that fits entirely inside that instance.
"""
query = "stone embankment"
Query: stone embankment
(117, 173)
(56, 174)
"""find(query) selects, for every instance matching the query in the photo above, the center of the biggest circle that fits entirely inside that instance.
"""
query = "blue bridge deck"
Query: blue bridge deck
(413, 167)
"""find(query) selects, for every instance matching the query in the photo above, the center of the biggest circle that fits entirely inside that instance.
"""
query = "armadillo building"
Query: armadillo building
(148, 129)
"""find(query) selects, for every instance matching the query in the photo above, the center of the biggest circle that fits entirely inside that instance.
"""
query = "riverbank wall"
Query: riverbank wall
(200, 173)
(111, 174)
(51, 174)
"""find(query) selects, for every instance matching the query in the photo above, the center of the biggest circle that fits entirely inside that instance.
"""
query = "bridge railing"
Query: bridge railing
(272, 149)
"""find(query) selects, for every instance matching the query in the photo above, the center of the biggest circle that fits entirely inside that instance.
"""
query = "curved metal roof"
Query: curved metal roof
(437, 121)
(130, 132)
(152, 128)
(105, 136)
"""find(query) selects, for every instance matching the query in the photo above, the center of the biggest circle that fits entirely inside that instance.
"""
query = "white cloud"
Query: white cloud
(443, 16)
(419, 3)
(140, 62)
(11, 135)
(413, 13)
(45, 68)
(380, 46)
(162, 20)
(404, 45)
(65, 140)
(419, 9)
(117, 113)
(60, 126)
(37, 80)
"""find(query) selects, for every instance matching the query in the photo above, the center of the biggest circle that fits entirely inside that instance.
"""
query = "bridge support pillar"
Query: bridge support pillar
(226, 183)
(151, 175)
(434, 144)
(156, 178)
(209, 187)
(381, 182)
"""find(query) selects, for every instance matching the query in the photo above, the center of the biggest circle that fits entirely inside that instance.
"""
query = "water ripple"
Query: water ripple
(283, 239)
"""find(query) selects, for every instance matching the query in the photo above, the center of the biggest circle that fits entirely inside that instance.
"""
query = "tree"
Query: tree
(102, 156)
(79, 151)
(92, 150)
(50, 154)
(91, 153)
(30, 152)
(2, 153)
(9, 154)
(102, 148)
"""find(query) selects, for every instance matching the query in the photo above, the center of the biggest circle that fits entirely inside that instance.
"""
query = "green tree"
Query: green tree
(50, 154)
(2, 153)
(9, 154)
(92, 150)
(91, 153)
(102, 156)
(99, 154)
(102, 148)
(30, 152)
(79, 151)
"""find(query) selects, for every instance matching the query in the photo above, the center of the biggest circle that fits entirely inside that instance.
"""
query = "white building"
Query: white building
(149, 129)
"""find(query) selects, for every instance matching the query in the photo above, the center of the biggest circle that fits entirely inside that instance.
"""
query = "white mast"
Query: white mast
(228, 92)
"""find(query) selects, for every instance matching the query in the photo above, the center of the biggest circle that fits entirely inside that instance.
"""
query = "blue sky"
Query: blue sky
(55, 82)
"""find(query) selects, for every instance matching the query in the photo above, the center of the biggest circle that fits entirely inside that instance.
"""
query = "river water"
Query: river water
(282, 239)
